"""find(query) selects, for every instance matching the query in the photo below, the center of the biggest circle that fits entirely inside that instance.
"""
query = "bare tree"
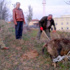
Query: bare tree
(3, 10)
(11, 19)
(67, 2)
(30, 14)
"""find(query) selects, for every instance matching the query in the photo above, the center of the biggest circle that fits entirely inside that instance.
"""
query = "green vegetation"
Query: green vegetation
(12, 59)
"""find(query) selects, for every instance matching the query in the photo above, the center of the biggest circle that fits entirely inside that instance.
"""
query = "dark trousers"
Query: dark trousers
(19, 29)
(46, 31)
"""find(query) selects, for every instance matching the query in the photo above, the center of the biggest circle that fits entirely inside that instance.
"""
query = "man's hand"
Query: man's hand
(41, 28)
(24, 23)
(15, 23)
(54, 31)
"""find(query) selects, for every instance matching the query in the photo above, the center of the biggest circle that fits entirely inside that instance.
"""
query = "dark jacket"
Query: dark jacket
(43, 23)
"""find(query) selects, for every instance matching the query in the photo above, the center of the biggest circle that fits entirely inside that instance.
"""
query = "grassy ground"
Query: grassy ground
(12, 59)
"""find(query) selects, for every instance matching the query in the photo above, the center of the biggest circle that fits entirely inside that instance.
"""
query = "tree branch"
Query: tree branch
(67, 2)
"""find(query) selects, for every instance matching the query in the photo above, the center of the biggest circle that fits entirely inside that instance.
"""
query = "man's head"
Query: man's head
(18, 5)
(49, 16)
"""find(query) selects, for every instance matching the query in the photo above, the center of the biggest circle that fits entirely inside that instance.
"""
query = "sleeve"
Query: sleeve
(23, 17)
(42, 21)
(54, 24)
(14, 16)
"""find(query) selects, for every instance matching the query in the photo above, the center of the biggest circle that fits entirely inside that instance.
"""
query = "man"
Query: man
(45, 24)
(2, 45)
(18, 18)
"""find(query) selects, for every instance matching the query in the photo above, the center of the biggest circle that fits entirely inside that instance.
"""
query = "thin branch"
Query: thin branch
(67, 2)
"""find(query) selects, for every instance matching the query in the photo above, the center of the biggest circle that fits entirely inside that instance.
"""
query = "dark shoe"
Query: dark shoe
(5, 48)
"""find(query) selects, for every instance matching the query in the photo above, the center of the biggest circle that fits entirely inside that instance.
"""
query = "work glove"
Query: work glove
(41, 28)
(54, 31)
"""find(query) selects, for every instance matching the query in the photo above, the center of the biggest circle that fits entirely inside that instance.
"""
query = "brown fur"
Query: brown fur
(57, 47)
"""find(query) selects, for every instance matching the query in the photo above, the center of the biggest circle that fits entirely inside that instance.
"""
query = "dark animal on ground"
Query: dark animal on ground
(57, 47)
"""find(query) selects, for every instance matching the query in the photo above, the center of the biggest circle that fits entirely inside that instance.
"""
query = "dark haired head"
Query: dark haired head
(50, 15)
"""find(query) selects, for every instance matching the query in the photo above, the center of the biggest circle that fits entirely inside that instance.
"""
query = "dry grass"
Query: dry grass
(12, 59)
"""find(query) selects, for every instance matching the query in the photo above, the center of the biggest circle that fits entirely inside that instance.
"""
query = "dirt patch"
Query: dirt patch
(30, 54)
(27, 68)
(18, 48)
